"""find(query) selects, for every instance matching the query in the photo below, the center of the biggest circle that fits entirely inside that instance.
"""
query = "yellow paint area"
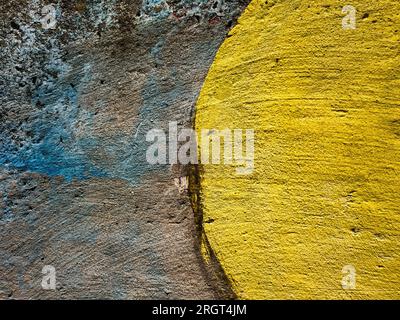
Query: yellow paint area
(325, 192)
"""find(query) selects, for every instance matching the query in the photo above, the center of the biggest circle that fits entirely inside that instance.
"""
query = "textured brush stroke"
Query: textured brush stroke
(325, 106)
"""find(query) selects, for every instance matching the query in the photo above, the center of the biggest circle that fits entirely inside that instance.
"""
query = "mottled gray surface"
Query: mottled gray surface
(76, 104)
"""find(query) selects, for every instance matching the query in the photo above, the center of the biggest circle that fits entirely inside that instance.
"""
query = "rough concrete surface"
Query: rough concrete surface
(76, 103)
(83, 82)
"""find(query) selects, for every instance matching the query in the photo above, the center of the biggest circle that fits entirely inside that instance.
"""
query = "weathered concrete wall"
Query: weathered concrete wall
(319, 216)
(76, 103)
(77, 193)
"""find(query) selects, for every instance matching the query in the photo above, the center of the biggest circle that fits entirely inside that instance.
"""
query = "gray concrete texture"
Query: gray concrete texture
(76, 102)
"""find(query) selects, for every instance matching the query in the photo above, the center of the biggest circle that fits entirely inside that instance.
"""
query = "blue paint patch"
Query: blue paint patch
(60, 140)
(156, 8)
(52, 148)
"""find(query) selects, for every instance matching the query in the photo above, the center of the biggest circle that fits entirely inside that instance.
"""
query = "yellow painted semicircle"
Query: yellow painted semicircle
(324, 102)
